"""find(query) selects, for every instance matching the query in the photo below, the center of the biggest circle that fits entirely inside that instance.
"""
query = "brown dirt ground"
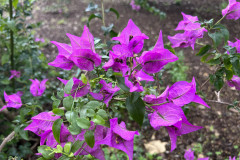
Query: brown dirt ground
(221, 126)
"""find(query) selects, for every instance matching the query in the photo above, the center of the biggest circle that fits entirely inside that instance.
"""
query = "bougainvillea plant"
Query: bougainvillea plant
(93, 127)
(89, 120)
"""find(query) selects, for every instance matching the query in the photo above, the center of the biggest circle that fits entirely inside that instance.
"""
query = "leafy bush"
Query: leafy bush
(112, 82)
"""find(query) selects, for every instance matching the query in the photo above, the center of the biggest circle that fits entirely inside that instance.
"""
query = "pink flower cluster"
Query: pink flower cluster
(116, 136)
(192, 32)
(134, 6)
(81, 52)
(232, 11)
(37, 88)
(15, 73)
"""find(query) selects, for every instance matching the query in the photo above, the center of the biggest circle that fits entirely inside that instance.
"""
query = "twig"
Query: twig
(7, 139)
(103, 15)
(119, 99)
(205, 83)
(220, 102)
(12, 43)
(103, 19)
(218, 95)
(35, 145)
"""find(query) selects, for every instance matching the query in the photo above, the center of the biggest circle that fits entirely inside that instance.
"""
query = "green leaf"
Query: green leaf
(229, 74)
(108, 29)
(4, 59)
(71, 116)
(103, 114)
(83, 123)
(58, 111)
(11, 25)
(169, 47)
(59, 149)
(204, 58)
(68, 87)
(68, 102)
(114, 11)
(204, 50)
(56, 103)
(221, 33)
(56, 128)
(136, 107)
(24, 134)
(217, 81)
(98, 120)
(67, 147)
(100, 46)
(235, 65)
(227, 63)
(89, 138)
(46, 151)
(91, 7)
(71, 155)
(25, 111)
(76, 146)
(92, 16)
(84, 78)
(121, 83)
(74, 129)
(64, 157)
(90, 113)
(93, 105)
(60, 93)
(15, 3)
(214, 61)
(112, 34)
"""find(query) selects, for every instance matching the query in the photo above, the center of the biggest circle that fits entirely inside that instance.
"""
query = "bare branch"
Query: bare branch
(220, 102)
(7, 139)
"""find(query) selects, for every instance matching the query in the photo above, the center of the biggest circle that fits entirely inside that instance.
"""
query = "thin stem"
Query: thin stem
(135, 68)
(103, 14)
(156, 104)
(7, 139)
(205, 83)
(31, 65)
(220, 102)
(150, 107)
(11, 43)
(103, 18)
(120, 99)
(201, 44)
(217, 22)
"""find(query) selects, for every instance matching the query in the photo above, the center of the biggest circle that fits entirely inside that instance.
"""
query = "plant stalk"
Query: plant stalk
(11, 43)
(103, 19)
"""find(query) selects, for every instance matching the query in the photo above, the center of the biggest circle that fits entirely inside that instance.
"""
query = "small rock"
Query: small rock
(206, 75)
(196, 67)
(155, 147)
(219, 113)
(201, 107)
(217, 134)
(75, 28)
